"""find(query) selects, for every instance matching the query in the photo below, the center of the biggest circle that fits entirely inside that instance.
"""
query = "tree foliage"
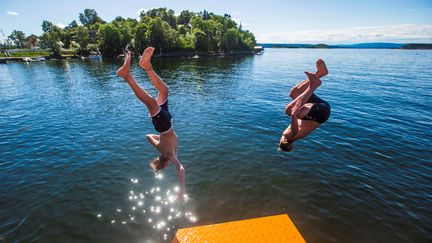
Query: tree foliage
(89, 17)
(82, 38)
(52, 37)
(47, 26)
(185, 17)
(164, 14)
(160, 28)
(18, 37)
(110, 39)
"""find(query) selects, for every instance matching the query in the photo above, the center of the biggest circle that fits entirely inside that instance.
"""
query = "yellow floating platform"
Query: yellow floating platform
(278, 228)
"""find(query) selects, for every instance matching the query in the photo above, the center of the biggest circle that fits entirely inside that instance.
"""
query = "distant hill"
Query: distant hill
(378, 45)
(277, 45)
(418, 46)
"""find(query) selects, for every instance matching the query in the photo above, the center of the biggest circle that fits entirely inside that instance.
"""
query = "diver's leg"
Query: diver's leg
(141, 94)
(159, 84)
(301, 100)
(301, 87)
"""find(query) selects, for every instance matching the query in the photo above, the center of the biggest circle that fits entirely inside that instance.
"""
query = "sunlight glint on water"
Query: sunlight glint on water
(158, 207)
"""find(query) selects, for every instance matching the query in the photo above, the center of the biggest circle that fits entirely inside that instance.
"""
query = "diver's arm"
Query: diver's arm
(153, 139)
(181, 175)
(292, 130)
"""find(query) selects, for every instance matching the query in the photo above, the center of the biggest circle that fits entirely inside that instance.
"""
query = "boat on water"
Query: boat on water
(95, 57)
(258, 49)
(39, 59)
(35, 59)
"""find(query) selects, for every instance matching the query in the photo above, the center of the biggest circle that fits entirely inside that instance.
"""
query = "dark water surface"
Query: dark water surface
(72, 136)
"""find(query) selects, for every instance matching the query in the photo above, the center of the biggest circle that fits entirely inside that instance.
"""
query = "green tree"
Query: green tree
(202, 31)
(201, 40)
(187, 42)
(18, 37)
(162, 36)
(89, 17)
(185, 17)
(82, 38)
(47, 26)
(205, 15)
(212, 31)
(141, 38)
(52, 37)
(110, 40)
(92, 47)
(126, 28)
(52, 40)
(231, 40)
(72, 25)
(166, 15)
(182, 30)
(74, 44)
(248, 40)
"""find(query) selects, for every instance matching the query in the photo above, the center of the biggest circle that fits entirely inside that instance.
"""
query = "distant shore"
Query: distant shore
(163, 55)
(409, 46)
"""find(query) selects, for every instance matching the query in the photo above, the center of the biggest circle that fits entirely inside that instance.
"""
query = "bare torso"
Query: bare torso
(168, 144)
(306, 127)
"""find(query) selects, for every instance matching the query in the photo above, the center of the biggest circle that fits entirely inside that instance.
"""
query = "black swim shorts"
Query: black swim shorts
(320, 110)
(162, 119)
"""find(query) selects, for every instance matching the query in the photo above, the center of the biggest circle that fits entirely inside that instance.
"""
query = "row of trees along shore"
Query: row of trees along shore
(160, 28)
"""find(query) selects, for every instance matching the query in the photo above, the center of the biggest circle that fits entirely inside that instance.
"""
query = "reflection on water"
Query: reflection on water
(158, 206)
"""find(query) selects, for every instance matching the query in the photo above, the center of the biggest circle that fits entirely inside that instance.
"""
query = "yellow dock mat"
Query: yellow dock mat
(278, 228)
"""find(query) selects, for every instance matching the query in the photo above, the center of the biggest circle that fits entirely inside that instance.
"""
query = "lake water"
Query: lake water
(74, 159)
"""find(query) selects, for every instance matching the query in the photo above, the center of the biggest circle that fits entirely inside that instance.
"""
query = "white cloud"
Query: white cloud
(140, 10)
(60, 25)
(388, 33)
(12, 13)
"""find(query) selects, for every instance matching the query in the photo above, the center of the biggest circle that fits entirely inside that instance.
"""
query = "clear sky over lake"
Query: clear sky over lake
(277, 21)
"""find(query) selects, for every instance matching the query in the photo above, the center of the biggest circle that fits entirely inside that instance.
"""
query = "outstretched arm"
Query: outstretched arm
(181, 175)
(292, 130)
(153, 139)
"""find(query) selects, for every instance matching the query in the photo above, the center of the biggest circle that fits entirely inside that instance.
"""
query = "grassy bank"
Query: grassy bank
(28, 53)
(38, 53)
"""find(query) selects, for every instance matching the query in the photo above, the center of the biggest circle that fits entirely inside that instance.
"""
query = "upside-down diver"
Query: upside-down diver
(166, 142)
(307, 110)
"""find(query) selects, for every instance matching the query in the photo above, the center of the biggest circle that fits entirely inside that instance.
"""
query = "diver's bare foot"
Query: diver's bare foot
(314, 80)
(145, 59)
(124, 71)
(321, 68)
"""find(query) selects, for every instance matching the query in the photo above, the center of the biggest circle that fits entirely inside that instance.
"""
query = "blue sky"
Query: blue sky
(276, 21)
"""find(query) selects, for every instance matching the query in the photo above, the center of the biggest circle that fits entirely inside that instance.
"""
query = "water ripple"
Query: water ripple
(72, 135)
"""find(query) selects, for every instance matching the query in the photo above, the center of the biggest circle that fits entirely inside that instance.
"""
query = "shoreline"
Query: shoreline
(164, 55)
(202, 54)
